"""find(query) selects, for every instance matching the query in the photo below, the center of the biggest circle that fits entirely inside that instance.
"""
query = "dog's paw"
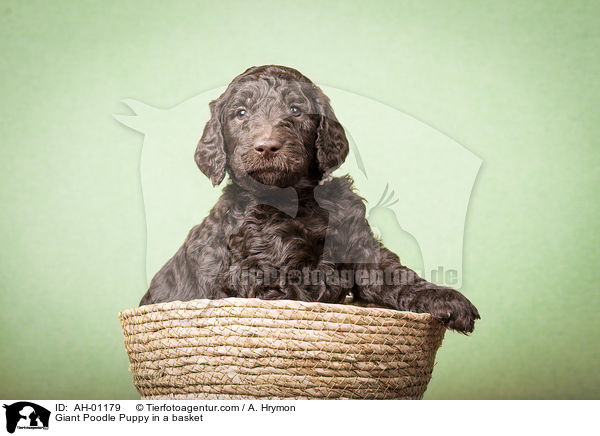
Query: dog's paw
(448, 306)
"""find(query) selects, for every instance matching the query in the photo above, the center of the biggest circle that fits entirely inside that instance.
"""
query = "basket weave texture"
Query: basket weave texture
(245, 348)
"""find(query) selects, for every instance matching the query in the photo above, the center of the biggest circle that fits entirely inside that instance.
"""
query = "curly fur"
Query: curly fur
(276, 136)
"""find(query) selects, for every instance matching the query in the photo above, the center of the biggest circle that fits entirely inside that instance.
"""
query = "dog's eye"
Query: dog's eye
(241, 113)
(295, 110)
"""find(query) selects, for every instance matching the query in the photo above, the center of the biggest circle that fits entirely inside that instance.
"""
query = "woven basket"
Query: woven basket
(240, 348)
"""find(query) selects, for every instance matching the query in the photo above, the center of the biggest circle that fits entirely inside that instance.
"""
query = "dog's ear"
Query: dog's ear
(210, 152)
(331, 143)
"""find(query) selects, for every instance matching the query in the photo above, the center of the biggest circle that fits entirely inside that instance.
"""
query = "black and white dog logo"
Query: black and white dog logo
(26, 415)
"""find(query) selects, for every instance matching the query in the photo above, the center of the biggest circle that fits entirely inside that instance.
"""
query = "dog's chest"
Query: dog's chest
(268, 236)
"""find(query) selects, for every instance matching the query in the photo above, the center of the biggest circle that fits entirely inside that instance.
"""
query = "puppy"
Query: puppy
(283, 227)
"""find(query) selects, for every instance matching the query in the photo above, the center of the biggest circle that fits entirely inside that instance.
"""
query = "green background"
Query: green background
(514, 82)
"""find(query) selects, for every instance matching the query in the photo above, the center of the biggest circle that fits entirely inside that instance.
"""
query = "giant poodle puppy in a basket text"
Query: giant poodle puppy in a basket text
(283, 227)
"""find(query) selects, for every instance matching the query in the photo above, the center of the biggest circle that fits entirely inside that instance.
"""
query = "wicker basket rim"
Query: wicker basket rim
(345, 308)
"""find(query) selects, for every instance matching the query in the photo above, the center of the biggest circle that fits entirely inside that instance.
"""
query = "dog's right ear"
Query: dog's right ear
(210, 152)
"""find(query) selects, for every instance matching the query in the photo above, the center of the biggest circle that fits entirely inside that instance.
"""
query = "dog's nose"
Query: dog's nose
(267, 147)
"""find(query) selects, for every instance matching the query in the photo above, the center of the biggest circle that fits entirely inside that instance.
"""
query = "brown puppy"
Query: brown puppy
(283, 228)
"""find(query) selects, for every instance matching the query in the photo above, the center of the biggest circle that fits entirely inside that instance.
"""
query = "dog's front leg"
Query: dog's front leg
(379, 277)
(383, 280)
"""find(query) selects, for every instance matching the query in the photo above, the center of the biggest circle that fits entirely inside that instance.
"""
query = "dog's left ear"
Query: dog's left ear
(331, 144)
(210, 152)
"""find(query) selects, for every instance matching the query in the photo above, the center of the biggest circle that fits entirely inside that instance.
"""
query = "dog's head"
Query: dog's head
(274, 125)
